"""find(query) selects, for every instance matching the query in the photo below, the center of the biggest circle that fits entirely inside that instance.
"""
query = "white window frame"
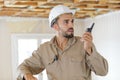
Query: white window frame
(14, 45)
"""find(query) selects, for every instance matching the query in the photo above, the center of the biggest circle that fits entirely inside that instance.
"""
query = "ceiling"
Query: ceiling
(41, 8)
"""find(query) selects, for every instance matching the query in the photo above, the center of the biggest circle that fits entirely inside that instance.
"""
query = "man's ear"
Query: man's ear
(55, 26)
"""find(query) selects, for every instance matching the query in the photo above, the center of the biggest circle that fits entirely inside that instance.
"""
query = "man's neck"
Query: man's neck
(61, 42)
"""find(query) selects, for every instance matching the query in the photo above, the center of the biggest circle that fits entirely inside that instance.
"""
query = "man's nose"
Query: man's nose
(70, 24)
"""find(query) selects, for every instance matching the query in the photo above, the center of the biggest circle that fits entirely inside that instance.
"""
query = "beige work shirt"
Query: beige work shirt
(73, 63)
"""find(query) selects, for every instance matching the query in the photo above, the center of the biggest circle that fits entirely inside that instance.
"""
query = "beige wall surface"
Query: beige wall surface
(5, 55)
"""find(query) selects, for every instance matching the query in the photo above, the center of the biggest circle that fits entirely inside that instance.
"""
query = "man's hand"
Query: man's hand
(87, 39)
(29, 77)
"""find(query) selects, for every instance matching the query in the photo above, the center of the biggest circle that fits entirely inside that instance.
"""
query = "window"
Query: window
(25, 48)
(22, 47)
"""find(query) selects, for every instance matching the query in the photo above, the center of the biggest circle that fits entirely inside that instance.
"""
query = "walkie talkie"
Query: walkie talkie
(90, 29)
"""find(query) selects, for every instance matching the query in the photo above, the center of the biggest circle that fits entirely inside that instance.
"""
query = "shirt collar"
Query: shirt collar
(71, 41)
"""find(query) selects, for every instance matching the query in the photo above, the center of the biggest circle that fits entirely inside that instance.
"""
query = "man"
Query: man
(65, 57)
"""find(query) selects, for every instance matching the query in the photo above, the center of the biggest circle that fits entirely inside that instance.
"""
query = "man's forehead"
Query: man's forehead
(66, 16)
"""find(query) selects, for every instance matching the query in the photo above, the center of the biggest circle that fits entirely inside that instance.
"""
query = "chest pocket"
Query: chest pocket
(76, 62)
(76, 59)
(77, 65)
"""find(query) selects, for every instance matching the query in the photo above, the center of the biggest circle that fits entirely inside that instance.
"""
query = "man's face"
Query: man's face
(65, 25)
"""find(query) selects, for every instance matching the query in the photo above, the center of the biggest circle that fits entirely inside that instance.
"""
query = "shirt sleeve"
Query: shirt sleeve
(32, 65)
(97, 63)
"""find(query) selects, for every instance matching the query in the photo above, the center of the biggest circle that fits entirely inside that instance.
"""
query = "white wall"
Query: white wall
(106, 35)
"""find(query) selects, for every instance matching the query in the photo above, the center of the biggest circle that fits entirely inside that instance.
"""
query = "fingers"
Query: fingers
(87, 37)
(34, 78)
(29, 77)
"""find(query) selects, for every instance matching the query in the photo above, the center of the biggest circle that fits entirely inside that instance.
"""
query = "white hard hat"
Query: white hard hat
(57, 11)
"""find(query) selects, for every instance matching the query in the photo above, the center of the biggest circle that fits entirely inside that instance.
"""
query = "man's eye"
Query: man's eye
(72, 21)
(66, 21)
